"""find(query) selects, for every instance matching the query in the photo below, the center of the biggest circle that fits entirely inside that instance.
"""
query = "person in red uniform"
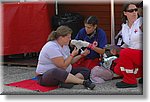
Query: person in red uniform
(97, 38)
(129, 65)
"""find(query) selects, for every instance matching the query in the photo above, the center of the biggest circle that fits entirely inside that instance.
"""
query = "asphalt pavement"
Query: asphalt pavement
(18, 73)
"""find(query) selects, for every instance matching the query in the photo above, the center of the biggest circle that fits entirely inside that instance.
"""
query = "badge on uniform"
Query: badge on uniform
(136, 30)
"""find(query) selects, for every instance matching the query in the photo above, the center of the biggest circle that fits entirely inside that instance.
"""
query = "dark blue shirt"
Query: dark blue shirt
(99, 37)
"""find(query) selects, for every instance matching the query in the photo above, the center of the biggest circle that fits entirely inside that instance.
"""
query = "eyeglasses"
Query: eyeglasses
(132, 10)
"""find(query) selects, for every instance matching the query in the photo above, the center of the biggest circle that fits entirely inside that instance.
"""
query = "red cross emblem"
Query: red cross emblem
(135, 30)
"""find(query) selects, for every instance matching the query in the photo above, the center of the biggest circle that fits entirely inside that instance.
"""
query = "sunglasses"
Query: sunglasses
(132, 10)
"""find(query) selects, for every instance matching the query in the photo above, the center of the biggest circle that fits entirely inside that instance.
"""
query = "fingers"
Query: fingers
(86, 52)
(75, 48)
(75, 51)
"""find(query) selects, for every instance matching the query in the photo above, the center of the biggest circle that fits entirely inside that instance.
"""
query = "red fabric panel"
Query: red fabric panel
(32, 85)
(26, 26)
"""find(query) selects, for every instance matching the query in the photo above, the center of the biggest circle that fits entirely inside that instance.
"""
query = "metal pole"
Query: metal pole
(56, 7)
(1, 43)
(112, 23)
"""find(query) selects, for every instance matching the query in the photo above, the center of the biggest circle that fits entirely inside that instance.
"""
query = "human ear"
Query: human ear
(124, 13)
(95, 26)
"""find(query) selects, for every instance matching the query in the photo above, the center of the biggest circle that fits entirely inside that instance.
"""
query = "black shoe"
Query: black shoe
(66, 85)
(88, 84)
(141, 80)
(125, 85)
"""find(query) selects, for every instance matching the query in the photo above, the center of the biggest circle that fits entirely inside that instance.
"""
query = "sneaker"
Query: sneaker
(88, 84)
(125, 85)
(141, 80)
(66, 85)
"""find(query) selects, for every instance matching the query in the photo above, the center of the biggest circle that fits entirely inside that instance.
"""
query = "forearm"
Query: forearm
(99, 50)
(75, 59)
(67, 62)
(60, 62)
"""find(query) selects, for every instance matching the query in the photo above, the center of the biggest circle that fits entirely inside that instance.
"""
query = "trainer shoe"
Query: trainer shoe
(125, 85)
(141, 81)
(88, 84)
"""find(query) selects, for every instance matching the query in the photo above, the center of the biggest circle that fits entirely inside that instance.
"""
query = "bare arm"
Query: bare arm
(64, 63)
(99, 50)
(76, 58)
(61, 62)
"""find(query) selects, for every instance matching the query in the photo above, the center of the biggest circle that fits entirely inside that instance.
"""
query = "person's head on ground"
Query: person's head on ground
(90, 24)
(62, 34)
(130, 12)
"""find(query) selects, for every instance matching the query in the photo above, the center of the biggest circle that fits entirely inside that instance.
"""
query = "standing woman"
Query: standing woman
(54, 63)
(129, 65)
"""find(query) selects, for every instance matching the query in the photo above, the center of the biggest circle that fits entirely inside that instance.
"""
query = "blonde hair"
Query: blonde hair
(60, 31)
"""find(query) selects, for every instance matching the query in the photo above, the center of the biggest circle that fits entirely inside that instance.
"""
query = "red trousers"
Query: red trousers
(87, 63)
(129, 65)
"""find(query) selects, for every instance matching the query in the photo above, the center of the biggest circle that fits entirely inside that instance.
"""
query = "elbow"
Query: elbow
(63, 66)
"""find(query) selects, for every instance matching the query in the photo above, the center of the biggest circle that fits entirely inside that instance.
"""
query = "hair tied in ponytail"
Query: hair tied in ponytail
(55, 32)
